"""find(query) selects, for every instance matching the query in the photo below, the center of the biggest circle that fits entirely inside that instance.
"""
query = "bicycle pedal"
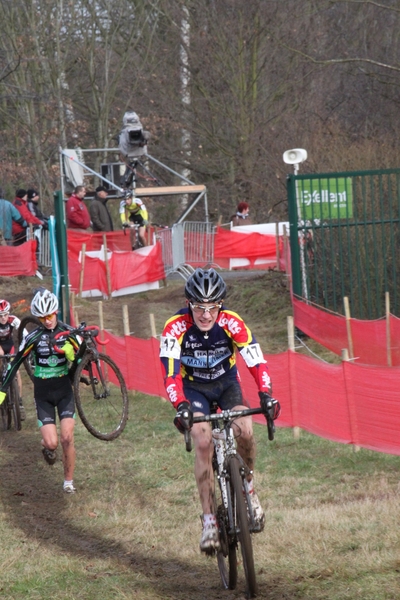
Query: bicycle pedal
(84, 379)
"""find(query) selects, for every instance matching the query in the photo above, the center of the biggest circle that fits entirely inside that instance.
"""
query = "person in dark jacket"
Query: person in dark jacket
(33, 205)
(99, 213)
(21, 204)
(242, 215)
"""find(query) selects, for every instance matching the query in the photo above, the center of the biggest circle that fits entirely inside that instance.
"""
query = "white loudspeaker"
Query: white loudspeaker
(295, 156)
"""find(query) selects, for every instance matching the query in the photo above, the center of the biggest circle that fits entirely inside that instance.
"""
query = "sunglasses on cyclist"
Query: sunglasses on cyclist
(46, 318)
(202, 308)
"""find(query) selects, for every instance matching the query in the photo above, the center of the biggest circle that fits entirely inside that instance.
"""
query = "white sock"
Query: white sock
(250, 486)
(209, 520)
(68, 482)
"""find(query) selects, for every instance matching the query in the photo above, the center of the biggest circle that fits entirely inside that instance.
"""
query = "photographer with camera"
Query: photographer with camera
(132, 210)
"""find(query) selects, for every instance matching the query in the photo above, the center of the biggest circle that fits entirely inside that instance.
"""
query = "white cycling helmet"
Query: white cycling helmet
(44, 303)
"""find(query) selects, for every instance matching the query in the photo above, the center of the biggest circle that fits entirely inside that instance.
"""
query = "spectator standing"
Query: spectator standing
(242, 215)
(8, 214)
(21, 204)
(33, 205)
(76, 213)
(99, 213)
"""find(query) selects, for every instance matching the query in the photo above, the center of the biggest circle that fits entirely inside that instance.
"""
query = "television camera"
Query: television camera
(132, 142)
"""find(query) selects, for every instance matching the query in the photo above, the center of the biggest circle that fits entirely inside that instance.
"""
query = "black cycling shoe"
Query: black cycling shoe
(50, 456)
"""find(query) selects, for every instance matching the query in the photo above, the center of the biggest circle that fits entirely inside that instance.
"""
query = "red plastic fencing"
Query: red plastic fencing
(369, 338)
(18, 260)
(126, 268)
(347, 403)
(252, 246)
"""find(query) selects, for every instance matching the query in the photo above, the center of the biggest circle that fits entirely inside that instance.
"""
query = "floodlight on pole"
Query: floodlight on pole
(295, 157)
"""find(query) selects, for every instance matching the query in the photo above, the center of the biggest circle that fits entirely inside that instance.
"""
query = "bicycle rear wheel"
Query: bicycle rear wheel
(103, 404)
(242, 523)
(29, 323)
(14, 402)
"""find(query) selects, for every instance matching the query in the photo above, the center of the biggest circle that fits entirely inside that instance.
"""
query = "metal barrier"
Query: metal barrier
(189, 242)
(43, 253)
(345, 235)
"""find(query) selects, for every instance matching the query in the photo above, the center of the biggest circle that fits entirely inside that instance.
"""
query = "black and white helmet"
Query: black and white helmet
(44, 303)
(205, 286)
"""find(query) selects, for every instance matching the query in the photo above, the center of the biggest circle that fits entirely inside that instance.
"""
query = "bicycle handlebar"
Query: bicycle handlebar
(89, 331)
(227, 415)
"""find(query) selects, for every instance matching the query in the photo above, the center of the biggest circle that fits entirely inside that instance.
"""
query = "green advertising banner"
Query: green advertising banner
(325, 198)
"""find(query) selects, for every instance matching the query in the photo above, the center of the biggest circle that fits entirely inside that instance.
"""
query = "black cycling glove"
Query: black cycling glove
(269, 405)
(184, 417)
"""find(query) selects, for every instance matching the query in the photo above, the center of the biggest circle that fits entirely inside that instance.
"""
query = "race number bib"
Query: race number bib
(252, 355)
(170, 347)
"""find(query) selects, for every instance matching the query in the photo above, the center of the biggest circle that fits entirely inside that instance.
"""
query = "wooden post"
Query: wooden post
(76, 317)
(348, 326)
(152, 325)
(125, 319)
(72, 302)
(388, 335)
(345, 356)
(290, 328)
(83, 255)
(278, 252)
(108, 275)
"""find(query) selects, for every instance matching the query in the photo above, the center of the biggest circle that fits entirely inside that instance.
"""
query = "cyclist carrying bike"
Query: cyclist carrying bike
(9, 325)
(52, 385)
(132, 210)
(197, 353)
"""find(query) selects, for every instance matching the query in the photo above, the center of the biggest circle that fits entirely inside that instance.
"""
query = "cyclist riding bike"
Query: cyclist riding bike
(9, 325)
(197, 353)
(132, 210)
(52, 385)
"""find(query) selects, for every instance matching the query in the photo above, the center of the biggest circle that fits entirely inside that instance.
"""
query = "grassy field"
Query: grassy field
(132, 529)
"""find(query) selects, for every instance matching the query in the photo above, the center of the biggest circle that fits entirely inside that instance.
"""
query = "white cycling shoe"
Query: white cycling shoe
(209, 541)
(258, 512)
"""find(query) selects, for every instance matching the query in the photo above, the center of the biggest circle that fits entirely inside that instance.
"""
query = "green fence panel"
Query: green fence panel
(344, 238)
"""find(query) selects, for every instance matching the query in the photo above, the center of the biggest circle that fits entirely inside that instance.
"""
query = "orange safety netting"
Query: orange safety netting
(372, 344)
(18, 260)
(347, 403)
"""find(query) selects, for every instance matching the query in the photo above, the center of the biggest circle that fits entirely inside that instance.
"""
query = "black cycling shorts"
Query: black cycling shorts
(137, 219)
(51, 394)
(226, 392)
(8, 346)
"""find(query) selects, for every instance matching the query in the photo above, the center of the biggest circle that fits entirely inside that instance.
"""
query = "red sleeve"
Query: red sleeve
(170, 351)
(77, 214)
(26, 213)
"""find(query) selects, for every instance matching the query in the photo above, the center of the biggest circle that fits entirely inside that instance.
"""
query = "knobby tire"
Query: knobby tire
(13, 391)
(29, 323)
(242, 523)
(102, 405)
(226, 555)
(5, 415)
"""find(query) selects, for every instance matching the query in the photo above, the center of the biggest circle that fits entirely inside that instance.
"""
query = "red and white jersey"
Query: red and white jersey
(187, 352)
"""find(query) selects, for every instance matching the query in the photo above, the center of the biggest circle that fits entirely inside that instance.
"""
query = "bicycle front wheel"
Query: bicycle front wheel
(242, 523)
(101, 396)
(14, 403)
(226, 555)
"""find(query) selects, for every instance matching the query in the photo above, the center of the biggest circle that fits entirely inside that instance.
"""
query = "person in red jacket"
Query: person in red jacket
(21, 204)
(76, 213)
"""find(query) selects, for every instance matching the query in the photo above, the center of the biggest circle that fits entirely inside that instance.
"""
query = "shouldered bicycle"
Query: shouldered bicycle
(100, 391)
(9, 409)
(232, 503)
